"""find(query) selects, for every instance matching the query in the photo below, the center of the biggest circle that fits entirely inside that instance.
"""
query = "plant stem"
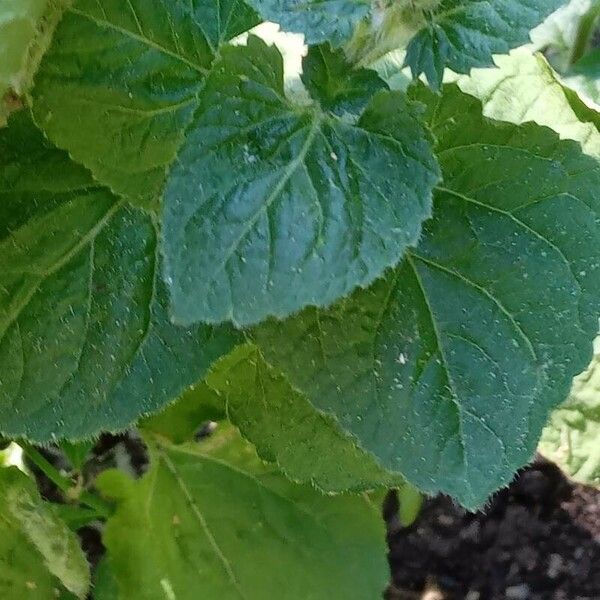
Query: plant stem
(64, 484)
(584, 32)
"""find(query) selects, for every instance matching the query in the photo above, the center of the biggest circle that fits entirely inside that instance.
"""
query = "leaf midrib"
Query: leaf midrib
(264, 206)
(200, 518)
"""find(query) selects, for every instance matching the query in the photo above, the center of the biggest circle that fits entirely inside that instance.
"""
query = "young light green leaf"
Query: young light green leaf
(130, 72)
(203, 518)
(26, 27)
(462, 34)
(181, 421)
(38, 553)
(524, 88)
(447, 369)
(286, 429)
(338, 87)
(85, 340)
(271, 207)
(571, 437)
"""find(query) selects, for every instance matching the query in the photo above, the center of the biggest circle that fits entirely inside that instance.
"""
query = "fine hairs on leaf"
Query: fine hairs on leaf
(296, 277)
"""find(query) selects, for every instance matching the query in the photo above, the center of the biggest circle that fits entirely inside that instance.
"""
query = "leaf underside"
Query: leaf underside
(308, 446)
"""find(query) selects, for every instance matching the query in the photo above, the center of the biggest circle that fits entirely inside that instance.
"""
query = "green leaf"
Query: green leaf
(556, 36)
(26, 28)
(307, 445)
(446, 370)
(105, 584)
(567, 35)
(38, 553)
(131, 72)
(571, 437)
(205, 516)
(319, 20)
(76, 516)
(271, 207)
(338, 87)
(524, 88)
(180, 421)
(77, 452)
(85, 340)
(462, 34)
(584, 77)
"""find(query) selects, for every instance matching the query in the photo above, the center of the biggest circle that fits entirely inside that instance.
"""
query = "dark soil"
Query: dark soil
(538, 540)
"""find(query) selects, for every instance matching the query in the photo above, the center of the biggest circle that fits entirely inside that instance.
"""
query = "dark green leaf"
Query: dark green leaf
(130, 72)
(77, 452)
(181, 421)
(319, 20)
(462, 34)
(76, 516)
(447, 369)
(105, 584)
(338, 87)
(271, 207)
(85, 341)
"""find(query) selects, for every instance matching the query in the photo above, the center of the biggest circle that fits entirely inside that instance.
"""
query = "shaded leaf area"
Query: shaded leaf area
(39, 556)
(270, 206)
(571, 437)
(85, 340)
(446, 369)
(206, 515)
(339, 88)
(286, 429)
(131, 72)
(462, 34)
(182, 421)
